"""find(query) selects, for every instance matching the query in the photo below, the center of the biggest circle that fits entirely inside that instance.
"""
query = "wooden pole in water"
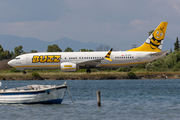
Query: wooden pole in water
(98, 98)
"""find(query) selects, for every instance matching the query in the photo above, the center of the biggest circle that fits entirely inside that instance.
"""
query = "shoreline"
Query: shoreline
(89, 76)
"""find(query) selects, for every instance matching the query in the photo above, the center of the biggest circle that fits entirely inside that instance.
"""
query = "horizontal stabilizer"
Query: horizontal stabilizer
(159, 53)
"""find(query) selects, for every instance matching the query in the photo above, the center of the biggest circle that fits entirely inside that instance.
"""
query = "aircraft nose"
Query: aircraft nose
(11, 62)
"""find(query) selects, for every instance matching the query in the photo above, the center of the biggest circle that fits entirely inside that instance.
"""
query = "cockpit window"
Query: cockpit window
(17, 58)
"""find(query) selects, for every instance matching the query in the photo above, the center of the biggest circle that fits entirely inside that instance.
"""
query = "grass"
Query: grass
(78, 75)
(60, 75)
(56, 74)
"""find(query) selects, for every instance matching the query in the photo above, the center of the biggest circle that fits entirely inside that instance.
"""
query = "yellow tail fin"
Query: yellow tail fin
(155, 40)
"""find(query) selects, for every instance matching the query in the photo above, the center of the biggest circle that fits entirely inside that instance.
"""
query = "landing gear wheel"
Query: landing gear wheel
(88, 71)
(24, 72)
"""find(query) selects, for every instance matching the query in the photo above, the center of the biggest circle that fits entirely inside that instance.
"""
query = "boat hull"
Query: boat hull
(47, 96)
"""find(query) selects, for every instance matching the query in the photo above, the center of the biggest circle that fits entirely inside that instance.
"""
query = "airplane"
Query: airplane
(72, 61)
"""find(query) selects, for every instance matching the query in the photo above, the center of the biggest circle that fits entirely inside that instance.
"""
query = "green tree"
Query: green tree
(1, 53)
(68, 49)
(1, 49)
(170, 50)
(12, 54)
(4, 54)
(53, 48)
(176, 44)
(33, 51)
(7, 54)
(18, 51)
(86, 50)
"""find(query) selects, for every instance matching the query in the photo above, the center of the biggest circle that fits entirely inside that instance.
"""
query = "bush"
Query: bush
(177, 66)
(175, 69)
(84, 70)
(124, 69)
(15, 70)
(131, 75)
(81, 70)
(2, 78)
(36, 75)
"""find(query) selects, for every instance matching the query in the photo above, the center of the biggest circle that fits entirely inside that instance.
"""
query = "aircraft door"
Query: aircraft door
(28, 60)
(138, 57)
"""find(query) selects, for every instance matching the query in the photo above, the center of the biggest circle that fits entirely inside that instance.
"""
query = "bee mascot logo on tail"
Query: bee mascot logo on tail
(155, 41)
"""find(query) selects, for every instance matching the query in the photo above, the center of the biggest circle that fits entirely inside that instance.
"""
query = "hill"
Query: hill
(9, 42)
(4, 65)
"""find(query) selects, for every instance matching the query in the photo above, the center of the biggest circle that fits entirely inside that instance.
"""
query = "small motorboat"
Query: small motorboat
(31, 94)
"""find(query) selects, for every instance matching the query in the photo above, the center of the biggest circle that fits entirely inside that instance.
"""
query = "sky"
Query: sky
(118, 23)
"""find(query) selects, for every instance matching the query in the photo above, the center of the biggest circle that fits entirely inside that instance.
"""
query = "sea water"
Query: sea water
(120, 100)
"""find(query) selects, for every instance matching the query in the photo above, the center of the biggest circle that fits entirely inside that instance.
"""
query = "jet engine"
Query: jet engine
(68, 67)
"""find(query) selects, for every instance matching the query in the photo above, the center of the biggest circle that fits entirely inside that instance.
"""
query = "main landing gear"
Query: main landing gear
(24, 71)
(88, 71)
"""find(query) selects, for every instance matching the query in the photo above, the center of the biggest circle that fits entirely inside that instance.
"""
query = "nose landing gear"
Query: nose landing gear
(88, 71)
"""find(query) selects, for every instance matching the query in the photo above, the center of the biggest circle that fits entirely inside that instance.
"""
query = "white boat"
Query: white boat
(31, 94)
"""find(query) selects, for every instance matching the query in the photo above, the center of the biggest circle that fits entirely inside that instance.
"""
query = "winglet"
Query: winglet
(108, 55)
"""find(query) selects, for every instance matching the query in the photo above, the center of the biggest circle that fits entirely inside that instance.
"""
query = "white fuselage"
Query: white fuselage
(72, 61)
(52, 60)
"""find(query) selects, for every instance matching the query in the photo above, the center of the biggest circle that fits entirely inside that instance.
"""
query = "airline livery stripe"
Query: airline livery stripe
(75, 68)
(37, 66)
(68, 68)
(122, 64)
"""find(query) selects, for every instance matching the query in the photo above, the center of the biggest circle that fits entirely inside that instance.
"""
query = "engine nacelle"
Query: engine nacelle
(68, 67)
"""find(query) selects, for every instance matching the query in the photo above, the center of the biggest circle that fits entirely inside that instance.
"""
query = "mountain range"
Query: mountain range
(9, 42)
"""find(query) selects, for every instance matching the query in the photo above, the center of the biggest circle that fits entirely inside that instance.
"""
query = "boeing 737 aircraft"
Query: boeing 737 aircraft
(72, 61)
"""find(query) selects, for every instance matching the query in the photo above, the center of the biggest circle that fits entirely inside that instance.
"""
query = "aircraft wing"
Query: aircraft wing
(96, 61)
(90, 62)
